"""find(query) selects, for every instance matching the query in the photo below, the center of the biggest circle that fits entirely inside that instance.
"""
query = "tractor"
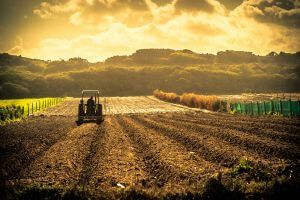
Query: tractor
(90, 111)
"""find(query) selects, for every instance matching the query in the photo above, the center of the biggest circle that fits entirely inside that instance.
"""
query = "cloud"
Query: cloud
(47, 10)
(118, 39)
(138, 5)
(280, 12)
(116, 27)
(162, 2)
(193, 6)
(199, 33)
(202, 28)
(231, 4)
(98, 13)
(18, 48)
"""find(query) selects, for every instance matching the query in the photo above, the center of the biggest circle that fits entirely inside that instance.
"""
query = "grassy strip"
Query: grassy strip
(192, 100)
(15, 109)
(23, 102)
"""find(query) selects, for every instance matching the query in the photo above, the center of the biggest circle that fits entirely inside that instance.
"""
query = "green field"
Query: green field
(14, 109)
(20, 102)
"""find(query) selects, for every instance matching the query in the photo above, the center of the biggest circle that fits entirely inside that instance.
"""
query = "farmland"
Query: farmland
(148, 148)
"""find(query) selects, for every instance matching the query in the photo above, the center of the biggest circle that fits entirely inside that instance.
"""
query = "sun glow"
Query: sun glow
(96, 29)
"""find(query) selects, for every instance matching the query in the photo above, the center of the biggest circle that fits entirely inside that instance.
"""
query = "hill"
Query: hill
(227, 72)
(169, 57)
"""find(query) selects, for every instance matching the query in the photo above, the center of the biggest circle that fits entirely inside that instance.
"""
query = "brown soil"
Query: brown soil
(143, 144)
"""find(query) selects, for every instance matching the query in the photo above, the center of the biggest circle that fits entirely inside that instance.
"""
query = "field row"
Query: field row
(153, 152)
(119, 105)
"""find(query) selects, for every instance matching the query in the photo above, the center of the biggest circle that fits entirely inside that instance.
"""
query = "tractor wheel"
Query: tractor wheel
(79, 123)
(99, 110)
(80, 109)
(99, 120)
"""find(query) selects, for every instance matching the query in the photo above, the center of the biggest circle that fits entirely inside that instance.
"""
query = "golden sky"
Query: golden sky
(97, 29)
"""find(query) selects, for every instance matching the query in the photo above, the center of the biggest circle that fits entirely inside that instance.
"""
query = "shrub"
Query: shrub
(190, 99)
(165, 96)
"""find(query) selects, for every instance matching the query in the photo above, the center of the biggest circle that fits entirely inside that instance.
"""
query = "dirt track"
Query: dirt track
(143, 143)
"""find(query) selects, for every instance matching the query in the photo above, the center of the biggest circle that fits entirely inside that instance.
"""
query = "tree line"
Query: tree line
(228, 72)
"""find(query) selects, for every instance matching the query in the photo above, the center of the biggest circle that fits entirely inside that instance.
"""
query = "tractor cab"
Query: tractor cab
(91, 109)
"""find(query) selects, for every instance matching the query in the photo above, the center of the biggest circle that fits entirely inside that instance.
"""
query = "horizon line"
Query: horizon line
(65, 59)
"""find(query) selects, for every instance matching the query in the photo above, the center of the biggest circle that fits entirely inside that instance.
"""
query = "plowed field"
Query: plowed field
(145, 145)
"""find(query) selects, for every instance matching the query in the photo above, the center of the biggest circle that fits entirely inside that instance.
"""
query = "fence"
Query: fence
(16, 112)
(285, 108)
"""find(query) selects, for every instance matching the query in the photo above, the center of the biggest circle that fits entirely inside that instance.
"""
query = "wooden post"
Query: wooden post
(265, 112)
(39, 105)
(15, 112)
(32, 108)
(28, 109)
(258, 110)
(11, 114)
